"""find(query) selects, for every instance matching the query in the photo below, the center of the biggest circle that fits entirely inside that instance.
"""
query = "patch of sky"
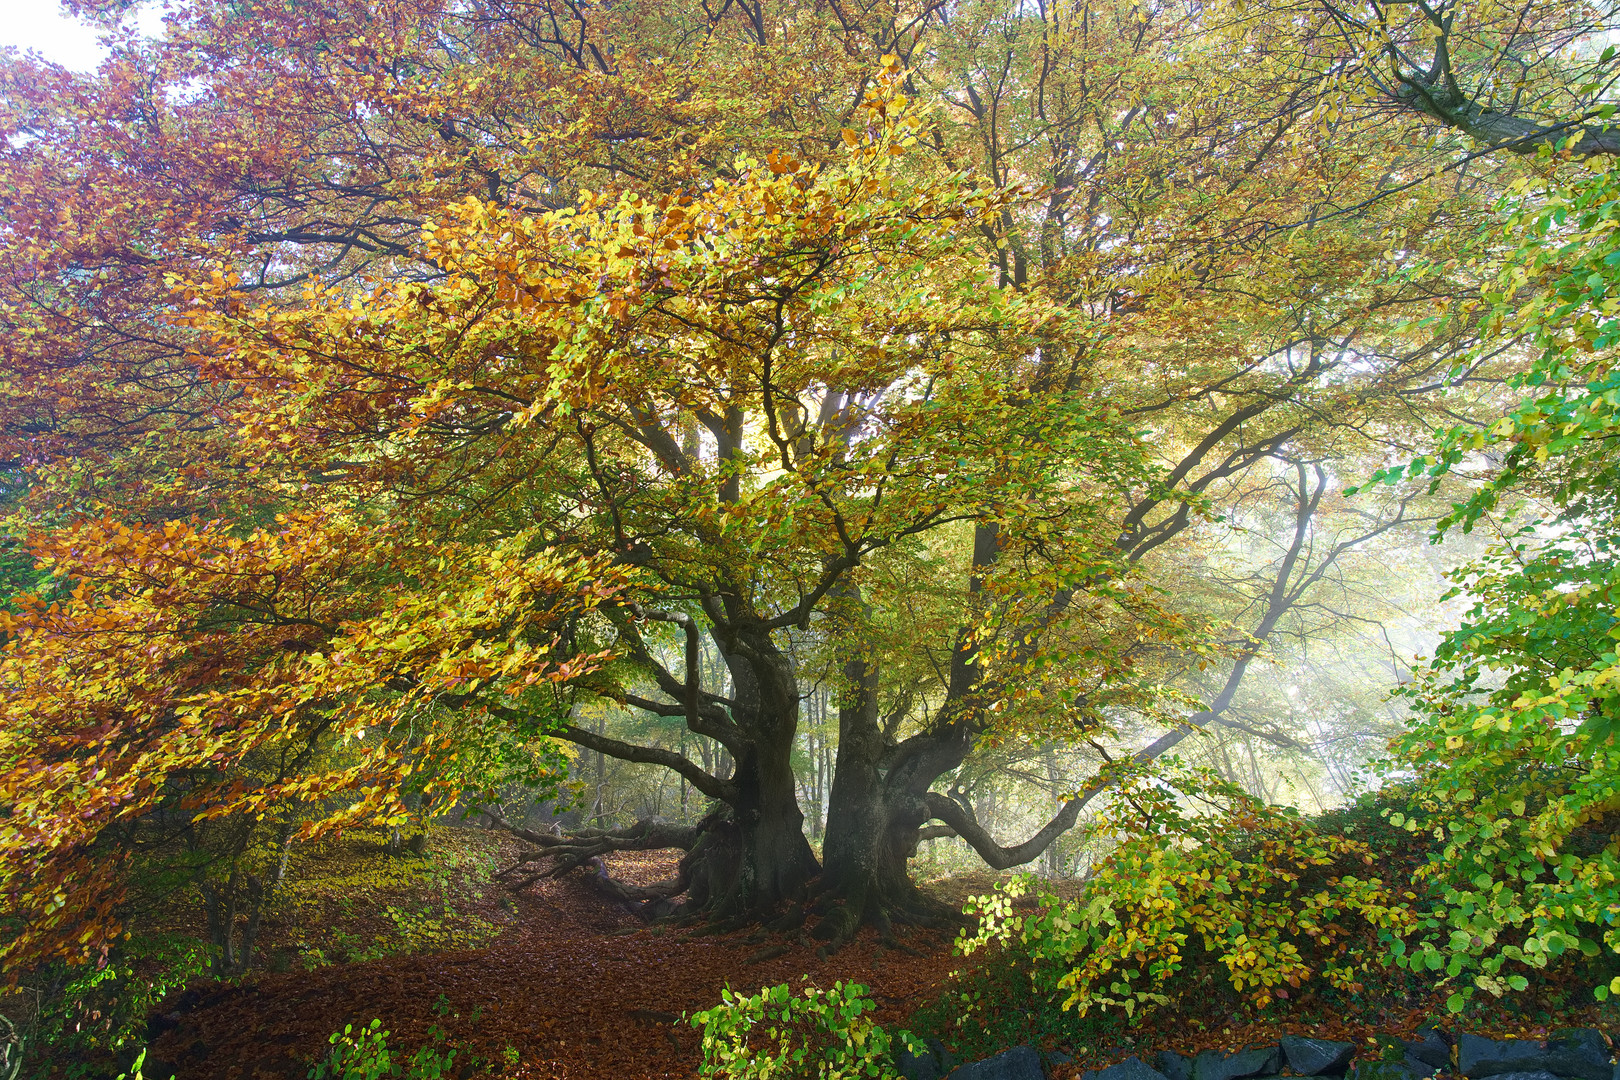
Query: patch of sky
(43, 28)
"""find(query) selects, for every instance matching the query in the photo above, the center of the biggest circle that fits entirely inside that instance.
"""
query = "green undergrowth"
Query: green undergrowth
(783, 1034)
(344, 899)
(1175, 949)
(347, 899)
(365, 1053)
(992, 1004)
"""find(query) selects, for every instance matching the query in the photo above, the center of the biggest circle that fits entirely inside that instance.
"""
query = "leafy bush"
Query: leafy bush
(1515, 761)
(1513, 747)
(1254, 888)
(775, 1035)
(83, 1014)
(365, 1055)
(137, 1069)
(992, 1003)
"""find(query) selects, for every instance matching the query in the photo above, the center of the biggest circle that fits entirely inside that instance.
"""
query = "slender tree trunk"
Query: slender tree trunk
(683, 779)
(601, 775)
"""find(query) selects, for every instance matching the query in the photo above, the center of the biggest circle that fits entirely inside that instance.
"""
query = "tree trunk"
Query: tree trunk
(873, 820)
(753, 856)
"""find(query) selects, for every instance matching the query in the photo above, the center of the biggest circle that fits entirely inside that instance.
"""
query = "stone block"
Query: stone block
(923, 1066)
(1478, 1057)
(1578, 1052)
(1240, 1065)
(1408, 1069)
(1132, 1068)
(1021, 1063)
(1432, 1050)
(1316, 1057)
(1173, 1065)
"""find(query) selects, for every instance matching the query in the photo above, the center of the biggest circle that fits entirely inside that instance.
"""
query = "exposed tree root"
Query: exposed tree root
(769, 952)
(586, 848)
(825, 913)
(843, 912)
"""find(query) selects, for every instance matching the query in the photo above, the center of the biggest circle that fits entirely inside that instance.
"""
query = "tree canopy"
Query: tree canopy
(389, 381)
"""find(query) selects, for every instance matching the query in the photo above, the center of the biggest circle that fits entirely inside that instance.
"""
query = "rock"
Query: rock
(1409, 1069)
(1023, 1063)
(1316, 1057)
(1132, 1068)
(1214, 1065)
(1054, 1058)
(946, 1060)
(1527, 1074)
(1578, 1052)
(923, 1066)
(1478, 1056)
(1129, 1069)
(1176, 1066)
(1433, 1050)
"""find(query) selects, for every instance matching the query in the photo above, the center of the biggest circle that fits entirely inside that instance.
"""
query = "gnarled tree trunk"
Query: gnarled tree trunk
(750, 856)
(875, 815)
(757, 857)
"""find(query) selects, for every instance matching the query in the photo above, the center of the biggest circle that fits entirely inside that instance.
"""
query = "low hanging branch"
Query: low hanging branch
(569, 851)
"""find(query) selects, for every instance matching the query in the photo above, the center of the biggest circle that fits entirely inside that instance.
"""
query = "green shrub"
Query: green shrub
(1252, 891)
(775, 1035)
(84, 1016)
(365, 1055)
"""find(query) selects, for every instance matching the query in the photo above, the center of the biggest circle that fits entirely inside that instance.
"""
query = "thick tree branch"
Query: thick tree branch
(1503, 131)
(714, 788)
(963, 823)
(690, 691)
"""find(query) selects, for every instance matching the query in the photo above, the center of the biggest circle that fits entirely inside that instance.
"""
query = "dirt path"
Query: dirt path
(579, 988)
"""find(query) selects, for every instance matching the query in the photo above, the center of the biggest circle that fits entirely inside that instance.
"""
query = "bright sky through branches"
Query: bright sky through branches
(42, 26)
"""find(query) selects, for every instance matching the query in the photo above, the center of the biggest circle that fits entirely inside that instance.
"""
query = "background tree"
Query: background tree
(203, 699)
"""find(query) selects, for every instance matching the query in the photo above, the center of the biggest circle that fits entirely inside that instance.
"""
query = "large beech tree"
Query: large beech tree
(804, 319)
(750, 394)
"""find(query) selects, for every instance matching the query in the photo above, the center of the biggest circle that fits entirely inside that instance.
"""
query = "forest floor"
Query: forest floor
(570, 981)
(557, 981)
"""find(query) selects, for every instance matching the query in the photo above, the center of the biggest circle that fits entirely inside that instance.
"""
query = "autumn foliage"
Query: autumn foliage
(386, 380)
(1256, 893)
(196, 675)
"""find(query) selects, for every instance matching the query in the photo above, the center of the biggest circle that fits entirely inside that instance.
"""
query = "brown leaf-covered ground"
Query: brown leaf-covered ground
(577, 986)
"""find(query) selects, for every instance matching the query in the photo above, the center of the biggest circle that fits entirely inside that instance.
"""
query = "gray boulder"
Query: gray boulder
(1173, 1065)
(1316, 1057)
(923, 1066)
(1019, 1063)
(1408, 1069)
(1578, 1052)
(1478, 1056)
(1132, 1068)
(1214, 1065)
(1433, 1050)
